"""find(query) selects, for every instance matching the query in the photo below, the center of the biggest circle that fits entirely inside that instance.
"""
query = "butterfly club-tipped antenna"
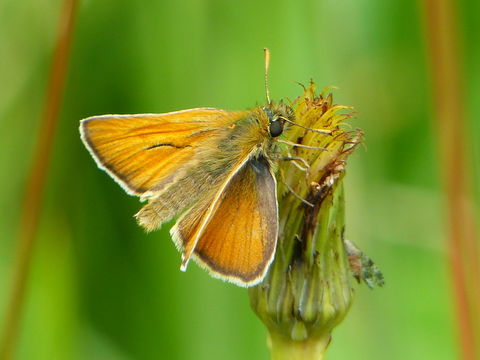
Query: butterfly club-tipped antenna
(269, 101)
(267, 65)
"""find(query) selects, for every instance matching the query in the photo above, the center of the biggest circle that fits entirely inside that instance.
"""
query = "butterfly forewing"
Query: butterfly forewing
(147, 153)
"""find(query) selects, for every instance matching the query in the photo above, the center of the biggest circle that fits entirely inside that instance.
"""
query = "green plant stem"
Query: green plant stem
(284, 348)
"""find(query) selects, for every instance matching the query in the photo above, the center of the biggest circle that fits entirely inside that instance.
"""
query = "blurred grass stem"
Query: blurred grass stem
(35, 183)
(442, 40)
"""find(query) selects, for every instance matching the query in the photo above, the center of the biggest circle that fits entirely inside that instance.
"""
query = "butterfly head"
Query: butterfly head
(277, 113)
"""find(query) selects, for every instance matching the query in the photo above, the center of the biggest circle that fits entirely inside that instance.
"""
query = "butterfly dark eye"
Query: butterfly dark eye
(275, 128)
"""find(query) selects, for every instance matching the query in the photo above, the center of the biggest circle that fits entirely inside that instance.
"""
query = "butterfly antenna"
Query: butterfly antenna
(267, 65)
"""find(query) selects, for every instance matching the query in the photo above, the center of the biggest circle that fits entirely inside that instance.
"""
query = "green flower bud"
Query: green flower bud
(309, 287)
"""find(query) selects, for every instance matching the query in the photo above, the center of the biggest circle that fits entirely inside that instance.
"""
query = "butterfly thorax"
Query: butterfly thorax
(256, 132)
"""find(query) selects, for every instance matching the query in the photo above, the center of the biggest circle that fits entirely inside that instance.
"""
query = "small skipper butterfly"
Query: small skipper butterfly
(213, 167)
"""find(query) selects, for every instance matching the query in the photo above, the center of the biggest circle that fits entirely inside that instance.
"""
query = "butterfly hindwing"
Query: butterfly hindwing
(235, 237)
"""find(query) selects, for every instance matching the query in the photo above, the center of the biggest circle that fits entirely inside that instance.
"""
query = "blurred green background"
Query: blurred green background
(101, 288)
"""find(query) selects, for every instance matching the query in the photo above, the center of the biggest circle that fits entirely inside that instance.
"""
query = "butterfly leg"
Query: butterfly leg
(301, 146)
(294, 193)
(320, 131)
(295, 159)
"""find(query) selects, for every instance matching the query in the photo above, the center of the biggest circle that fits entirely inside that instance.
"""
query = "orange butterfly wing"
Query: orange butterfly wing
(146, 153)
(236, 238)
